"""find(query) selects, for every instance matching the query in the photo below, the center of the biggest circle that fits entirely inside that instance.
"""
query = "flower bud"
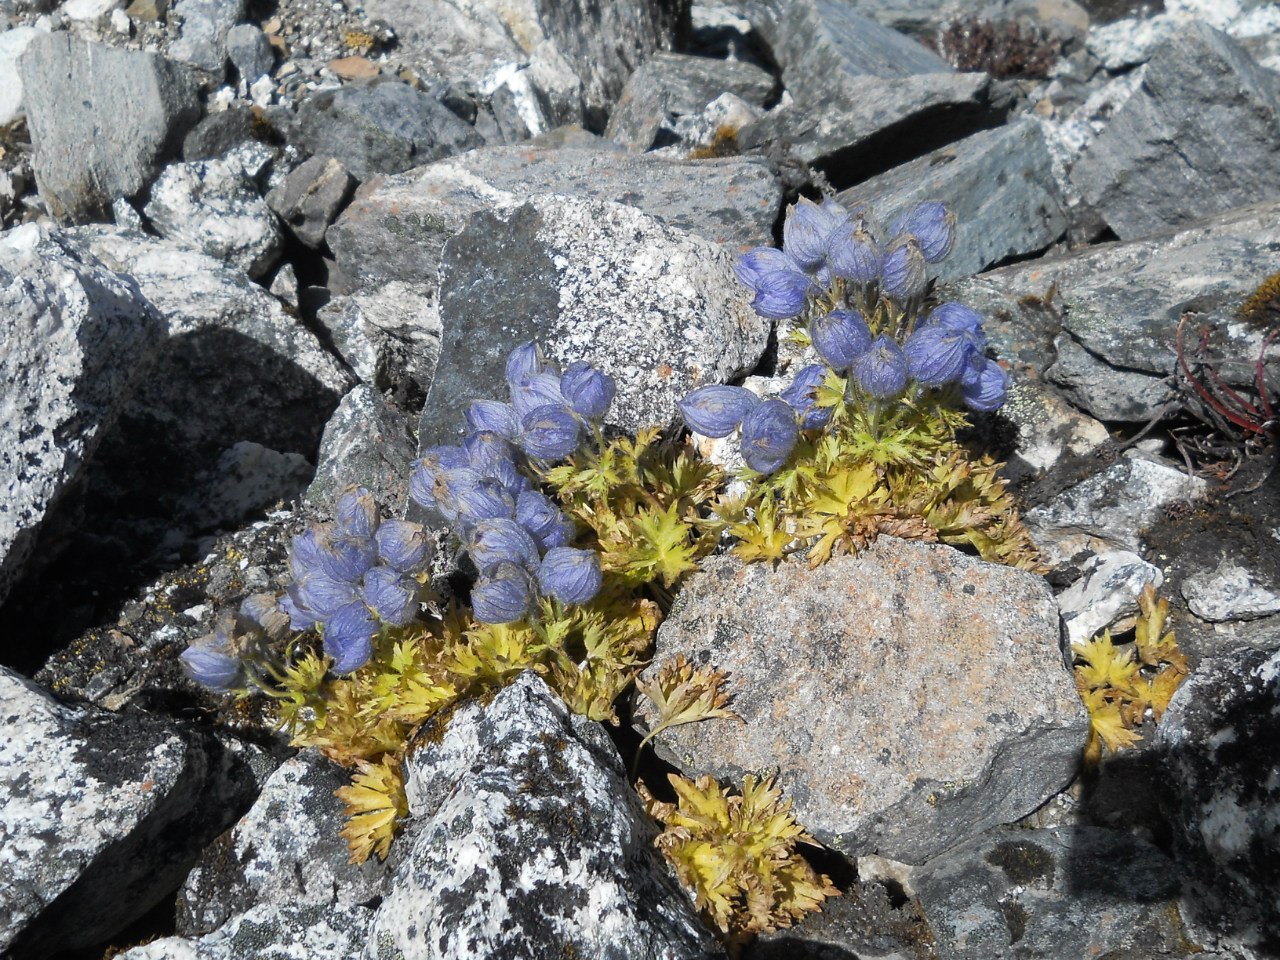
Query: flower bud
(840, 337)
(561, 534)
(211, 666)
(539, 390)
(503, 597)
(853, 253)
(424, 486)
(801, 396)
(322, 596)
(536, 513)
(570, 575)
(481, 499)
(780, 286)
(588, 390)
(805, 232)
(984, 389)
(769, 434)
(938, 355)
(716, 410)
(904, 269)
(389, 595)
(550, 432)
(882, 370)
(493, 415)
(933, 224)
(956, 316)
(264, 610)
(346, 557)
(403, 545)
(357, 513)
(485, 450)
(291, 605)
(523, 363)
(500, 539)
(348, 637)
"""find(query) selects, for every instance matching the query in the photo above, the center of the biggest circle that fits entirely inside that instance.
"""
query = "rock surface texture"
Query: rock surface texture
(881, 748)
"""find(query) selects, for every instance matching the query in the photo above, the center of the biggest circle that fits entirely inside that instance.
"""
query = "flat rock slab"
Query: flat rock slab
(1120, 303)
(76, 340)
(1198, 137)
(1000, 184)
(1064, 892)
(658, 309)
(910, 696)
(527, 841)
(102, 120)
(395, 227)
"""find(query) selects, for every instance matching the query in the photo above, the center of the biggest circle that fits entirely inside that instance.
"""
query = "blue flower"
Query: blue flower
(263, 610)
(486, 450)
(509, 476)
(769, 434)
(540, 390)
(805, 232)
(321, 596)
(502, 597)
(882, 370)
(549, 432)
(779, 285)
(300, 617)
(956, 316)
(802, 395)
(560, 534)
(403, 545)
(570, 575)
(346, 557)
(425, 484)
(904, 269)
(840, 337)
(500, 539)
(357, 514)
(392, 597)
(934, 225)
(853, 253)
(937, 355)
(493, 415)
(588, 390)
(479, 500)
(984, 385)
(523, 363)
(348, 637)
(211, 665)
(716, 410)
(304, 552)
(536, 513)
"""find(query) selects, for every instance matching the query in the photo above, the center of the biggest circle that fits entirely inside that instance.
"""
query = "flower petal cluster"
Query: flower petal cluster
(716, 410)
(801, 395)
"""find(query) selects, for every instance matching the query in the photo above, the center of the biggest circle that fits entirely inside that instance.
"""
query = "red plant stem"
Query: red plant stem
(1203, 391)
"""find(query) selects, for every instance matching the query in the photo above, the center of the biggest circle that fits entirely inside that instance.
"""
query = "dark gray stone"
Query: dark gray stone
(250, 51)
(1000, 184)
(383, 128)
(1197, 138)
(365, 443)
(102, 121)
(656, 308)
(1063, 892)
(880, 748)
(395, 228)
(527, 840)
(862, 922)
(672, 85)
(1219, 737)
(221, 132)
(310, 197)
(203, 40)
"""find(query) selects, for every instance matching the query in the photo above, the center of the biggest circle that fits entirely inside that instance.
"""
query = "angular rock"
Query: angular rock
(673, 85)
(203, 40)
(1219, 736)
(1197, 138)
(1000, 184)
(395, 228)
(76, 340)
(247, 478)
(383, 128)
(1107, 591)
(708, 132)
(12, 44)
(1121, 304)
(365, 443)
(250, 51)
(310, 197)
(1063, 892)
(1052, 434)
(101, 813)
(214, 206)
(102, 120)
(654, 307)
(863, 922)
(882, 746)
(1230, 592)
(527, 840)
(219, 133)
(271, 932)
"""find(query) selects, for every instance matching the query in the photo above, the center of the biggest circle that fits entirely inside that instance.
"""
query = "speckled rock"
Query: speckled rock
(526, 840)
(76, 340)
(658, 309)
(389, 335)
(1018, 894)
(271, 932)
(1197, 138)
(203, 40)
(310, 197)
(863, 922)
(1051, 433)
(365, 443)
(999, 183)
(1230, 592)
(101, 812)
(12, 43)
(214, 206)
(910, 696)
(1106, 593)
(246, 478)
(1121, 303)
(1219, 737)
(102, 120)
(396, 227)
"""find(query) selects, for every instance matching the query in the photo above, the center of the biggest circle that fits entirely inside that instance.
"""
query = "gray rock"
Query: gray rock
(1197, 138)
(1121, 303)
(880, 747)
(389, 336)
(310, 197)
(214, 206)
(654, 307)
(1063, 892)
(77, 339)
(1219, 736)
(1052, 434)
(527, 840)
(365, 443)
(384, 128)
(862, 922)
(672, 85)
(1000, 184)
(247, 478)
(219, 133)
(102, 121)
(1106, 592)
(12, 44)
(707, 132)
(250, 51)
(271, 932)
(203, 40)
(101, 813)
(396, 227)
(1229, 592)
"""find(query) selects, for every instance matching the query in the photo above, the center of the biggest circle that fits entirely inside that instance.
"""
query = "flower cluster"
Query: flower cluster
(863, 294)
(518, 538)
